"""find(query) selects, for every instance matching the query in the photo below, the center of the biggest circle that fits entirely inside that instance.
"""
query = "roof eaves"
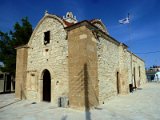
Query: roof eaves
(93, 28)
(22, 46)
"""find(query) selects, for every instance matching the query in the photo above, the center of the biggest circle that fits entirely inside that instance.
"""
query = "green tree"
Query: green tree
(10, 40)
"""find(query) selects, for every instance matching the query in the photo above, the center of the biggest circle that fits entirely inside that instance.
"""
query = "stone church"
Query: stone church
(75, 63)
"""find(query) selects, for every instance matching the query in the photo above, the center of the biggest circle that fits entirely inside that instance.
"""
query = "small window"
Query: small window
(46, 37)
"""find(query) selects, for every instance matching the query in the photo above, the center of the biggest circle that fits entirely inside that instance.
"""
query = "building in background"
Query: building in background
(7, 83)
(153, 73)
(75, 63)
(157, 76)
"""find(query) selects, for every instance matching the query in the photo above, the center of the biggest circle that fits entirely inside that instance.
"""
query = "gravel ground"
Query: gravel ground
(142, 104)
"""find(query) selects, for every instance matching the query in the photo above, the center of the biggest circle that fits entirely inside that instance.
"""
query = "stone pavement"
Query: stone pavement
(143, 104)
(7, 99)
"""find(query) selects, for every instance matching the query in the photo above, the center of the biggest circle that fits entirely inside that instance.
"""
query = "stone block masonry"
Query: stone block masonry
(21, 65)
(83, 82)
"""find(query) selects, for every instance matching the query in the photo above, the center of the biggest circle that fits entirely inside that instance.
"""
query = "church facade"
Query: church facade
(77, 61)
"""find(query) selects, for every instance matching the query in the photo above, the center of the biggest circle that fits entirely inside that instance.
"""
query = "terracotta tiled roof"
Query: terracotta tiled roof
(67, 23)
(70, 24)
(92, 20)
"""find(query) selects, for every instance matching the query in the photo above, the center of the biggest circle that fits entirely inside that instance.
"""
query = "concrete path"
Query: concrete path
(143, 104)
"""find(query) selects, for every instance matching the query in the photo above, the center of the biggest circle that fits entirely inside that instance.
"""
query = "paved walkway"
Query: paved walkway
(143, 104)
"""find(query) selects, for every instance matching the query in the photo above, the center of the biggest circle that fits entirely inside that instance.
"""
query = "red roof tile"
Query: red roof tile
(67, 23)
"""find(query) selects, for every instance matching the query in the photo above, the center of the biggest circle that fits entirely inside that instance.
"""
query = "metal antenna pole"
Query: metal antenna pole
(129, 40)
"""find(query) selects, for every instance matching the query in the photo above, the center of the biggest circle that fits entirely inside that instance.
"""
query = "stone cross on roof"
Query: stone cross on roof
(46, 12)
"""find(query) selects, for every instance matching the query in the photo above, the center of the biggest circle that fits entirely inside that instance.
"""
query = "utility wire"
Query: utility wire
(149, 52)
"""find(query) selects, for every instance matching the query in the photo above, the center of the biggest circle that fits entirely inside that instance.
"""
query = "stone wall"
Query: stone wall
(83, 82)
(129, 66)
(140, 75)
(52, 56)
(108, 66)
(21, 67)
(123, 69)
(116, 69)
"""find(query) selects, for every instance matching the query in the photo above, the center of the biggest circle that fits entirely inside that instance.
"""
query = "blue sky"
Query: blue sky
(142, 35)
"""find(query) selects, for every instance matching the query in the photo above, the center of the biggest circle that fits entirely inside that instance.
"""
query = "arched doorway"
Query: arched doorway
(117, 75)
(134, 77)
(46, 86)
